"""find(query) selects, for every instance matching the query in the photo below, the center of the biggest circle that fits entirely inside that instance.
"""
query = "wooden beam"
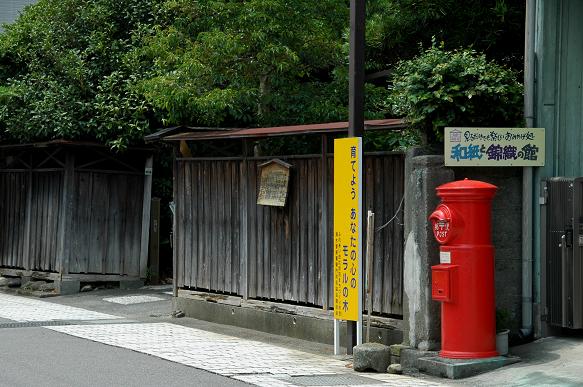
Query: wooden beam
(146, 206)
(66, 215)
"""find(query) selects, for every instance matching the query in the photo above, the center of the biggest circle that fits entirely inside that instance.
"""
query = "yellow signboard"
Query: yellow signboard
(494, 147)
(347, 235)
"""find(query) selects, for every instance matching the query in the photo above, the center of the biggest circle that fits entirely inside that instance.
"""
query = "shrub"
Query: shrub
(442, 88)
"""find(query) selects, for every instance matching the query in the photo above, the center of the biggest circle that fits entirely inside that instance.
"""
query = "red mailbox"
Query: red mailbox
(464, 280)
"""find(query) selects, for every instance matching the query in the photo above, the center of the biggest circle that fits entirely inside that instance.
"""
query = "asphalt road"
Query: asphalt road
(40, 357)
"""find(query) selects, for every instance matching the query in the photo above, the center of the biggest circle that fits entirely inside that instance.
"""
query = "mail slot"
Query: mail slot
(442, 277)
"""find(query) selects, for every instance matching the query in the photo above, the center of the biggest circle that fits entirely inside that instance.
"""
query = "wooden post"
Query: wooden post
(154, 249)
(355, 112)
(66, 220)
(146, 216)
(369, 266)
(324, 222)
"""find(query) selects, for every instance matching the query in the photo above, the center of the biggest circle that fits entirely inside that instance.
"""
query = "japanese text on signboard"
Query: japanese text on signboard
(494, 146)
(347, 191)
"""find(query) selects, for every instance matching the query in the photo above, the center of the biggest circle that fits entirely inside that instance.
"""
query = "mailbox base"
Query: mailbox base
(467, 355)
(462, 368)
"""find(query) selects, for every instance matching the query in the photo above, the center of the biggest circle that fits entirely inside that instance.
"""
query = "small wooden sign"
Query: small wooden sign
(274, 183)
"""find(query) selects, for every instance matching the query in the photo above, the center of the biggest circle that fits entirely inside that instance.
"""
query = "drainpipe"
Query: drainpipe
(527, 173)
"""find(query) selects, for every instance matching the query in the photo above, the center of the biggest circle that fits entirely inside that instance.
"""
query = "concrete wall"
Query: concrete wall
(506, 234)
(421, 315)
(277, 322)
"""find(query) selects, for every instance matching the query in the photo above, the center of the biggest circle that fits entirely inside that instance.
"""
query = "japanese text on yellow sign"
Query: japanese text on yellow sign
(347, 212)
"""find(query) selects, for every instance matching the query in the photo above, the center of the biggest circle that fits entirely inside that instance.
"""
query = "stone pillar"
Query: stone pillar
(421, 315)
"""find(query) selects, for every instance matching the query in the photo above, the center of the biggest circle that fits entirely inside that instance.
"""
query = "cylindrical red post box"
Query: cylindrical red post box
(464, 279)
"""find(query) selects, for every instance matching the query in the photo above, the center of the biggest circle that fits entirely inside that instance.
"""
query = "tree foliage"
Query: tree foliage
(64, 72)
(461, 87)
(257, 62)
(114, 70)
(396, 28)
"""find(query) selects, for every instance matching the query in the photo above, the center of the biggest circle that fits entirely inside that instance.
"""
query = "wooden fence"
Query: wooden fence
(225, 242)
(73, 211)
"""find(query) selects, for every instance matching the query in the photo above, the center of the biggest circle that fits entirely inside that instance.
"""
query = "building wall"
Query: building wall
(558, 101)
(10, 9)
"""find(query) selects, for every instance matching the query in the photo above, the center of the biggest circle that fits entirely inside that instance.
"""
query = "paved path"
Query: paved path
(36, 356)
(244, 360)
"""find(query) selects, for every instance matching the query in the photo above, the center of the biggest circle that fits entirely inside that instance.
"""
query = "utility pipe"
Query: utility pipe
(527, 172)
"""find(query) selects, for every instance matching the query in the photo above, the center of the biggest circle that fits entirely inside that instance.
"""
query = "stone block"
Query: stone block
(410, 357)
(397, 348)
(396, 353)
(395, 369)
(47, 286)
(34, 285)
(10, 282)
(371, 356)
(68, 286)
(131, 284)
(462, 368)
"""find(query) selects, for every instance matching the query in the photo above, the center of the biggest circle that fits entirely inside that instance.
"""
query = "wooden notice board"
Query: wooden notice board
(273, 185)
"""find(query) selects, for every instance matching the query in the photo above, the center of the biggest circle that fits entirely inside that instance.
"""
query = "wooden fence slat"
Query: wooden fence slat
(318, 232)
(193, 230)
(380, 258)
(386, 234)
(21, 189)
(202, 227)
(4, 231)
(43, 230)
(180, 201)
(296, 234)
(112, 255)
(208, 222)
(398, 237)
(33, 224)
(312, 248)
(304, 236)
(253, 247)
(268, 290)
(229, 222)
(236, 251)
(246, 217)
(188, 227)
(221, 224)
(260, 241)
(11, 217)
(289, 245)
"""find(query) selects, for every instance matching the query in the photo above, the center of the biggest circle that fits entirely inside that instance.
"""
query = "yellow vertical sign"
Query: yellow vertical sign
(347, 220)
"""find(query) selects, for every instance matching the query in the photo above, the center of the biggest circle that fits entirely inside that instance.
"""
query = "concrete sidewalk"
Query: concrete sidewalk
(552, 361)
(141, 320)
